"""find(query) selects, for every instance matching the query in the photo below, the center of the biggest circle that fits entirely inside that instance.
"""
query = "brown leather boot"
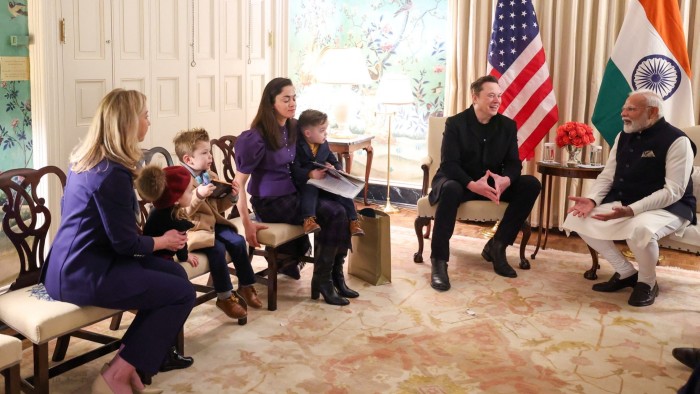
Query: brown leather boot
(310, 225)
(232, 308)
(250, 295)
(355, 228)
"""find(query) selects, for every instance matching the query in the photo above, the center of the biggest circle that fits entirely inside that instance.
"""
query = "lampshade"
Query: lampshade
(342, 66)
(394, 89)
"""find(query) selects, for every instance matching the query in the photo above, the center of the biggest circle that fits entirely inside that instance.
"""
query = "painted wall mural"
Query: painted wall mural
(15, 119)
(15, 101)
(405, 37)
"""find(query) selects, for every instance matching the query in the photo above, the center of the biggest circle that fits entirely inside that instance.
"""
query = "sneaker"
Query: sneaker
(231, 307)
(310, 225)
(355, 229)
(250, 295)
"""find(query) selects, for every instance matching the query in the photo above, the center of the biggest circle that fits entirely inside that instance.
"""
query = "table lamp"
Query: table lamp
(344, 67)
(394, 90)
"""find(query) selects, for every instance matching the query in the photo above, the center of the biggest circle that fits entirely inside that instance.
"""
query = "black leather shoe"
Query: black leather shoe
(174, 360)
(292, 270)
(643, 294)
(688, 356)
(495, 252)
(615, 283)
(438, 275)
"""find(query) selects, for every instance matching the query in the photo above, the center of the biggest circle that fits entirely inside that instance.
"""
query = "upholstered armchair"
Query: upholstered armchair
(690, 241)
(478, 211)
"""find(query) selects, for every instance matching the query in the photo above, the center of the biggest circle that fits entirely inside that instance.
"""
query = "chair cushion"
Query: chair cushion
(31, 312)
(478, 211)
(10, 351)
(201, 268)
(276, 234)
(690, 242)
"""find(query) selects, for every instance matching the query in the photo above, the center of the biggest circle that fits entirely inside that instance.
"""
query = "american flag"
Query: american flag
(516, 58)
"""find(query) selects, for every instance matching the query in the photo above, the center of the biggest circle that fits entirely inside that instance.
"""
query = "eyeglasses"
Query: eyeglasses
(633, 109)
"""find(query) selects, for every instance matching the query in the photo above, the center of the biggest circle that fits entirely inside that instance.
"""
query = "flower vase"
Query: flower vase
(574, 153)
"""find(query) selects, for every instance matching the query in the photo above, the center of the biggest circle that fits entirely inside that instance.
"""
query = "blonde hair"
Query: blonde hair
(113, 133)
(186, 141)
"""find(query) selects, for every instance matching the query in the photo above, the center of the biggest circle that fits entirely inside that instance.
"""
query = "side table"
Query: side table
(344, 147)
(548, 171)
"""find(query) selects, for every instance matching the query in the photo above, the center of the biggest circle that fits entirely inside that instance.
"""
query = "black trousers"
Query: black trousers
(520, 195)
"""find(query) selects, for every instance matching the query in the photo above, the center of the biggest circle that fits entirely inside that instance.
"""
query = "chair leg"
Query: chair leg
(527, 231)
(41, 368)
(59, 353)
(116, 321)
(180, 342)
(419, 224)
(12, 379)
(591, 273)
(271, 278)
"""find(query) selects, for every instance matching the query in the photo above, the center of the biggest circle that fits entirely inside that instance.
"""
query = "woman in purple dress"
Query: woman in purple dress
(99, 259)
(265, 154)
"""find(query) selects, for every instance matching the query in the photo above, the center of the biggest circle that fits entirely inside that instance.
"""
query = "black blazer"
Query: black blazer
(464, 159)
(303, 163)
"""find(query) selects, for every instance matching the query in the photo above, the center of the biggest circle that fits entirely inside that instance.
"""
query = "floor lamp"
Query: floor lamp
(393, 91)
(344, 67)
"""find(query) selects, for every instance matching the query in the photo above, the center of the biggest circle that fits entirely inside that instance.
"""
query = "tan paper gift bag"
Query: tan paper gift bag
(370, 258)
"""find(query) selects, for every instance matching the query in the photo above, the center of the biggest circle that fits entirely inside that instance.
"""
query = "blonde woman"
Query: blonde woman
(98, 258)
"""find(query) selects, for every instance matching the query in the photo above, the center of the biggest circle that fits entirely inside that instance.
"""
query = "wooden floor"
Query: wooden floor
(556, 240)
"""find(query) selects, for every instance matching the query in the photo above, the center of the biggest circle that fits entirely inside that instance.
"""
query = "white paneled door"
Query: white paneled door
(87, 66)
(201, 63)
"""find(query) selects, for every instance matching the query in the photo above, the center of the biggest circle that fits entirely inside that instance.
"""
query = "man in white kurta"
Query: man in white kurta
(643, 194)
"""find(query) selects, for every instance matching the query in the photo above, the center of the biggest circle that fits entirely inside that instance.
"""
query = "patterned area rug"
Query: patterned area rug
(543, 332)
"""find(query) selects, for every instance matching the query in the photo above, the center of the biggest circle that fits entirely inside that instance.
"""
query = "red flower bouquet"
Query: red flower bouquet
(574, 133)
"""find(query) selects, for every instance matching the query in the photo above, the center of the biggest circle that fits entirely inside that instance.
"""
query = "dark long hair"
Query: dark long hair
(265, 120)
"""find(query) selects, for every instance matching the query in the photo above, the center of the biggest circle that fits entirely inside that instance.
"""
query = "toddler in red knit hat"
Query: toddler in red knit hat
(170, 190)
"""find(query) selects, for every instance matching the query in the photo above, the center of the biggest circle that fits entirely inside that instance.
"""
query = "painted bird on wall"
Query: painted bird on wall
(16, 9)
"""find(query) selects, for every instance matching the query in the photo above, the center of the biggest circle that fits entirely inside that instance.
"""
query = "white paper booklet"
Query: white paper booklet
(338, 182)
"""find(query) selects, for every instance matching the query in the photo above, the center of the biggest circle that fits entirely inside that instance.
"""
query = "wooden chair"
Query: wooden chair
(26, 224)
(272, 238)
(10, 356)
(479, 211)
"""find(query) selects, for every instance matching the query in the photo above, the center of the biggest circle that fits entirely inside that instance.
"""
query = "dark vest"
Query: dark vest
(641, 168)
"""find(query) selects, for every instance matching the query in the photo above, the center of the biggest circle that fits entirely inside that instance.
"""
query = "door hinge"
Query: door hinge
(62, 30)
(270, 39)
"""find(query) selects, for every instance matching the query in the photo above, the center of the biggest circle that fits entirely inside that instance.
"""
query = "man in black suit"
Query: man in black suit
(480, 162)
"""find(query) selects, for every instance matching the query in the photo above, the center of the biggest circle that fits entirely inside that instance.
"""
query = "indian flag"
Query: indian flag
(650, 53)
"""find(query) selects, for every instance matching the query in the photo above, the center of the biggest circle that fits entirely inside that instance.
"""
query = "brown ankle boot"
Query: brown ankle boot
(231, 307)
(310, 225)
(355, 228)
(250, 295)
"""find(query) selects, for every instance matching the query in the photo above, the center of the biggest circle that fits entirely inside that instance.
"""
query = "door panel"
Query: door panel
(87, 68)
(204, 81)
(259, 67)
(169, 66)
(233, 66)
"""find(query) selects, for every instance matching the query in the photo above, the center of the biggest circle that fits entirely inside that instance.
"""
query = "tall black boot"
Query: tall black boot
(321, 282)
(495, 252)
(339, 278)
